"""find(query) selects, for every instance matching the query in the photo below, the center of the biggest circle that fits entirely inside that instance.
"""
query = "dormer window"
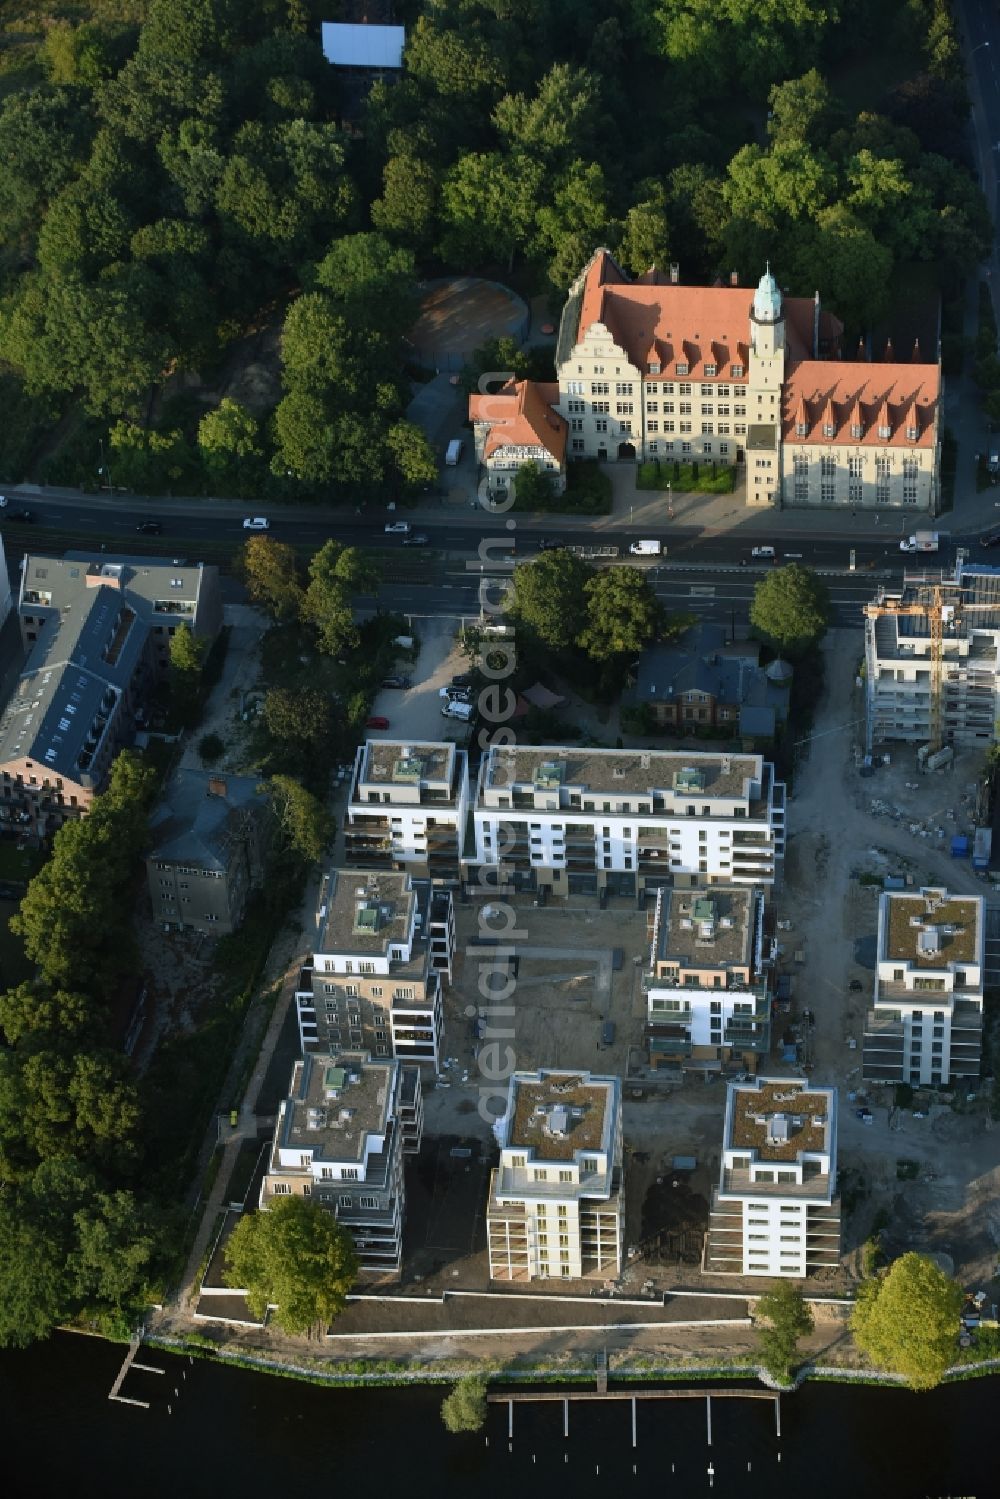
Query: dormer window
(682, 369)
(856, 429)
(885, 432)
(654, 368)
(828, 429)
(800, 429)
(710, 369)
(912, 434)
(736, 370)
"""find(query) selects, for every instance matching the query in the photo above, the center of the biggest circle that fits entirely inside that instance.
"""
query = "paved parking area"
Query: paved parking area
(415, 712)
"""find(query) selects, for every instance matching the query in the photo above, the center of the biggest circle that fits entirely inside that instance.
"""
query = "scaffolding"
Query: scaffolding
(943, 602)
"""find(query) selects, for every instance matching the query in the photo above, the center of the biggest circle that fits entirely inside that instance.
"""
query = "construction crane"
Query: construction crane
(944, 605)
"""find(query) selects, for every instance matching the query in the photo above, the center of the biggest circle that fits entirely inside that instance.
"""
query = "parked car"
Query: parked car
(855, 986)
(548, 544)
(376, 722)
(27, 517)
(453, 709)
(608, 1033)
(991, 539)
(464, 679)
(418, 540)
(456, 694)
(764, 554)
(256, 523)
(397, 528)
(396, 681)
(150, 528)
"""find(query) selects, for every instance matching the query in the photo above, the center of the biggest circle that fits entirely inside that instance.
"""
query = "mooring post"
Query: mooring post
(510, 1420)
(777, 1417)
(633, 1422)
(708, 1415)
(566, 1419)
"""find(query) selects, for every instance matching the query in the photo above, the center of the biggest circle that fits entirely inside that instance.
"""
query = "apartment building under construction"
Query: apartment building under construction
(932, 657)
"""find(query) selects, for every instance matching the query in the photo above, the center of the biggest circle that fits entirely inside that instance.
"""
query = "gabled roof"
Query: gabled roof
(522, 415)
(200, 816)
(900, 398)
(692, 325)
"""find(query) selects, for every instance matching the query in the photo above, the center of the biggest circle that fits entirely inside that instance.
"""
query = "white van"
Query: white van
(464, 711)
(646, 549)
(454, 452)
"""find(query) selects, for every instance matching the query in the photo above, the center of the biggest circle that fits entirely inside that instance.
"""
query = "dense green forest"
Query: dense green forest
(180, 190)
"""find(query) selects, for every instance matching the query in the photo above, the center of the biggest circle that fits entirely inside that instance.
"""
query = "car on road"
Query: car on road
(3, 501)
(608, 1033)
(420, 539)
(150, 528)
(991, 539)
(396, 681)
(397, 528)
(27, 517)
(764, 554)
(376, 722)
(256, 523)
(548, 544)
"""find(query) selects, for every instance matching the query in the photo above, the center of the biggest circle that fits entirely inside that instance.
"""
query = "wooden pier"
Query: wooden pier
(550, 1397)
(130, 1363)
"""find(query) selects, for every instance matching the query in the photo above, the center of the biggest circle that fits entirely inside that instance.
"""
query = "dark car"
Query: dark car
(418, 540)
(464, 679)
(26, 517)
(991, 539)
(376, 722)
(548, 544)
(150, 528)
(395, 681)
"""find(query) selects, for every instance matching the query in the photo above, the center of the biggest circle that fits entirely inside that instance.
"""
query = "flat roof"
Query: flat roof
(609, 771)
(708, 927)
(558, 1113)
(365, 913)
(336, 1100)
(757, 1110)
(402, 762)
(932, 929)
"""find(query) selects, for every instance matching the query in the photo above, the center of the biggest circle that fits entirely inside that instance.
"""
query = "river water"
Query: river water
(229, 1431)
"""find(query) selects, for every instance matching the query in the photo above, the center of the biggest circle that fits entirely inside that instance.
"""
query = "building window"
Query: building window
(578, 444)
(599, 388)
(652, 426)
(736, 370)
(623, 388)
(623, 408)
(653, 406)
(601, 424)
(800, 466)
(827, 468)
(576, 424)
(682, 368)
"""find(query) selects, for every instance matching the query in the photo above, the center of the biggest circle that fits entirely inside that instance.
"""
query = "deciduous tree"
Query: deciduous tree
(305, 826)
(791, 608)
(464, 1409)
(907, 1320)
(549, 597)
(788, 1319)
(295, 1255)
(623, 615)
(270, 571)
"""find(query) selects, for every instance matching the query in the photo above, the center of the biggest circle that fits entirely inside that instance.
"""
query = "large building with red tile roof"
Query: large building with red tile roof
(519, 424)
(653, 370)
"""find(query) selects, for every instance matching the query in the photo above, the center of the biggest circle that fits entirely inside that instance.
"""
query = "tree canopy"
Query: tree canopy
(907, 1320)
(295, 1256)
(790, 608)
(549, 597)
(787, 1318)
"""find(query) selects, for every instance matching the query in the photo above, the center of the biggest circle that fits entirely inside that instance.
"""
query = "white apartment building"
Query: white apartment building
(926, 1024)
(706, 995)
(585, 820)
(407, 808)
(339, 1138)
(932, 658)
(383, 948)
(556, 1204)
(652, 370)
(776, 1209)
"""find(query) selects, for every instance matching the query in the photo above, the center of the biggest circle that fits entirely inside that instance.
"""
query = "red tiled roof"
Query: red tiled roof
(696, 325)
(521, 415)
(820, 394)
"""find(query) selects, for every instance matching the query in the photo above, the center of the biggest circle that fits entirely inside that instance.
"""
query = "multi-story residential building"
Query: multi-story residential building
(653, 370)
(926, 1023)
(340, 1138)
(586, 820)
(407, 808)
(210, 834)
(384, 944)
(519, 425)
(776, 1210)
(6, 598)
(706, 995)
(932, 657)
(704, 680)
(97, 632)
(556, 1204)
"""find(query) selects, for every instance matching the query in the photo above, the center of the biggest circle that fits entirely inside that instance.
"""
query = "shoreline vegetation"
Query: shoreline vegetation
(397, 1374)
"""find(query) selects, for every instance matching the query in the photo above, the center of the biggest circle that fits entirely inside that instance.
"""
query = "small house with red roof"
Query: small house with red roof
(519, 424)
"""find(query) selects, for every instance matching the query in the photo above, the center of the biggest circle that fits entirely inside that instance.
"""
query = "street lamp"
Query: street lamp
(670, 500)
(104, 469)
